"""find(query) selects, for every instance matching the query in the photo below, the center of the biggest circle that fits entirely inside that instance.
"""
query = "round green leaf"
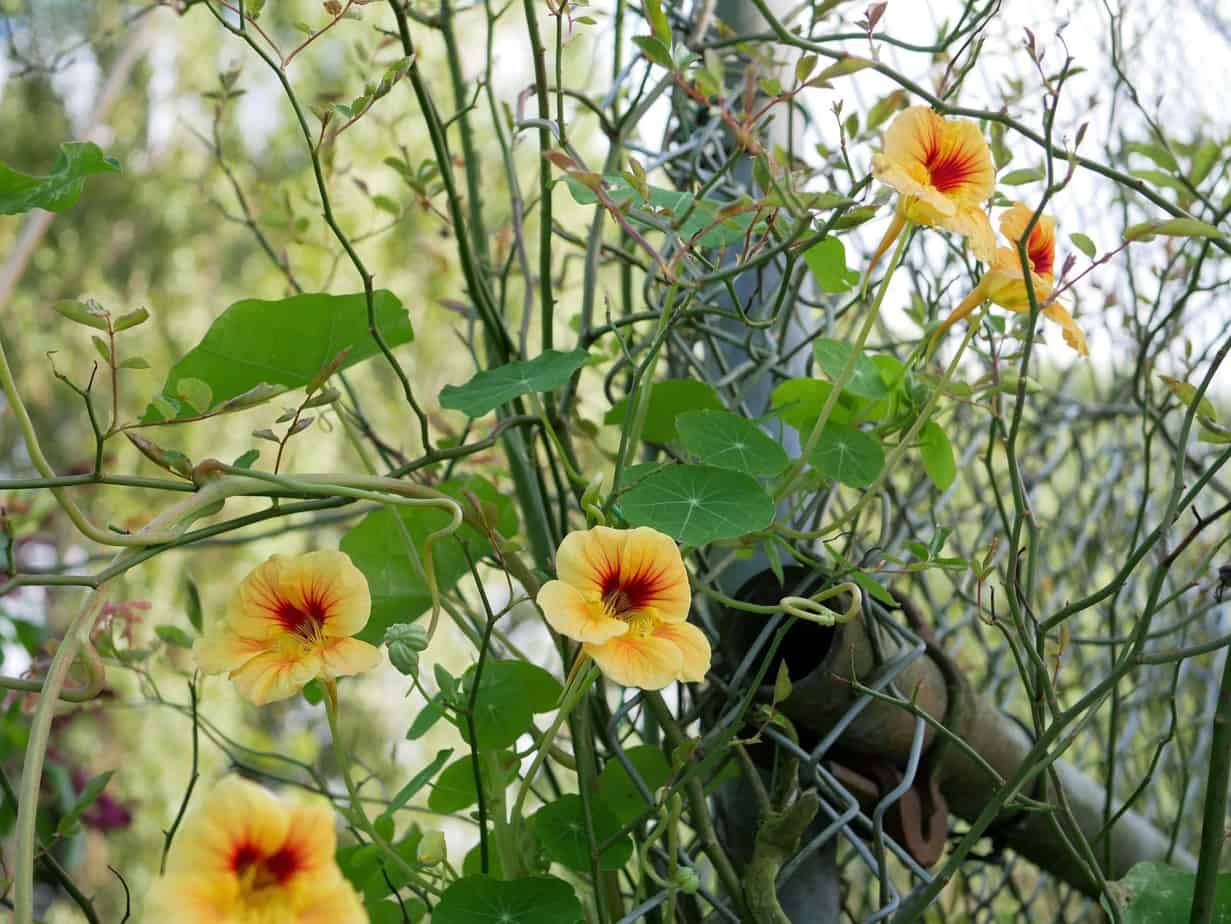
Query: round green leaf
(848, 455)
(560, 827)
(827, 261)
(833, 356)
(387, 546)
(454, 788)
(534, 900)
(472, 864)
(368, 871)
(1156, 894)
(616, 788)
(390, 912)
(798, 403)
(510, 692)
(668, 399)
(938, 459)
(727, 440)
(696, 504)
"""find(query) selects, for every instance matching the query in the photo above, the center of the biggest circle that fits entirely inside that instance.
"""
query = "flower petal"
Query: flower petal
(1041, 247)
(243, 855)
(253, 611)
(220, 650)
(930, 205)
(333, 901)
(944, 171)
(694, 649)
(972, 223)
(912, 134)
(647, 662)
(948, 155)
(570, 614)
(346, 656)
(327, 582)
(311, 839)
(275, 675)
(1072, 333)
(585, 557)
(653, 574)
(235, 813)
(193, 898)
(961, 163)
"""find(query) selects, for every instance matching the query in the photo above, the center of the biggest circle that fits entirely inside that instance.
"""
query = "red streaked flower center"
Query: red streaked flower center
(304, 621)
(625, 595)
(1041, 252)
(258, 871)
(949, 169)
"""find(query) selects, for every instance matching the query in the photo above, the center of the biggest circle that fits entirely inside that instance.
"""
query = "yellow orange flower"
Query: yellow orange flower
(944, 172)
(1004, 283)
(623, 593)
(290, 621)
(245, 857)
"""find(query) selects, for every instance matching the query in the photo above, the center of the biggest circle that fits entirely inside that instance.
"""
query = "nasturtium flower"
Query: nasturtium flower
(623, 593)
(243, 856)
(944, 172)
(289, 622)
(1004, 283)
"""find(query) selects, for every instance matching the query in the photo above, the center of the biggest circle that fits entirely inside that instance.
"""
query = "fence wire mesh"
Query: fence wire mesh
(1096, 464)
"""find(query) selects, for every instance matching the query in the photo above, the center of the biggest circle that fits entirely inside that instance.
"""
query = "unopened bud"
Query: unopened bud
(404, 658)
(687, 880)
(409, 634)
(432, 849)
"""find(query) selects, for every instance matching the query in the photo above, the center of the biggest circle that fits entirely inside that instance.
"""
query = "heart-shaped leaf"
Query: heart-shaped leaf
(798, 403)
(454, 788)
(58, 190)
(282, 345)
(827, 261)
(620, 793)
(938, 460)
(493, 387)
(1153, 893)
(387, 546)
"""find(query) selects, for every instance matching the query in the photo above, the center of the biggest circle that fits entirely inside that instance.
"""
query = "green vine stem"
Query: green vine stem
(1214, 817)
(582, 678)
(36, 751)
(172, 521)
(66, 502)
(358, 813)
(791, 477)
(700, 814)
(907, 442)
(363, 487)
(94, 683)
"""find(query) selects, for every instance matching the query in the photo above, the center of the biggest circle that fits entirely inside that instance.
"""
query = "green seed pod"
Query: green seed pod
(404, 658)
(413, 636)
